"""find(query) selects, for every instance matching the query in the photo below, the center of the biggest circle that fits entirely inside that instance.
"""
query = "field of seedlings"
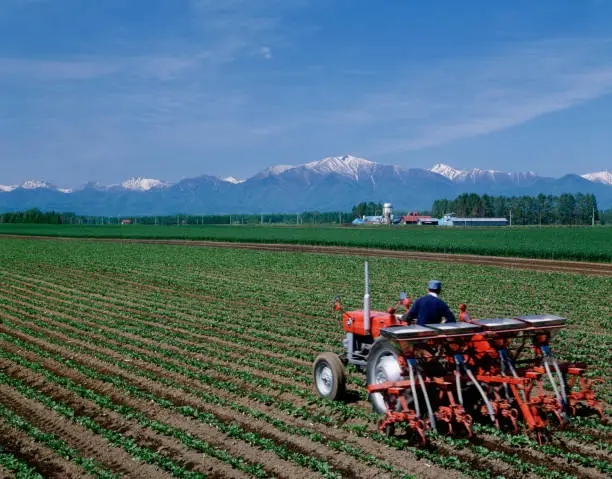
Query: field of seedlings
(554, 242)
(155, 361)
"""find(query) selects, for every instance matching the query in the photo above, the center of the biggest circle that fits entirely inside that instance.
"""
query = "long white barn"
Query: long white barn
(452, 220)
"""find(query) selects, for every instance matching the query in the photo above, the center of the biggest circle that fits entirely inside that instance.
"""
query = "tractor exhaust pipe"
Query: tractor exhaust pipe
(366, 300)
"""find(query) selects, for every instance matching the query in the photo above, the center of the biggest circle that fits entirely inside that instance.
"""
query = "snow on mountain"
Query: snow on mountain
(234, 181)
(272, 171)
(35, 185)
(520, 177)
(476, 175)
(604, 177)
(446, 170)
(348, 165)
(142, 184)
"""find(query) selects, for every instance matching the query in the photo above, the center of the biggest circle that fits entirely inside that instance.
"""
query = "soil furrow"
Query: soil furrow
(464, 455)
(111, 420)
(205, 344)
(152, 410)
(26, 292)
(282, 382)
(332, 434)
(538, 458)
(77, 436)
(46, 461)
(204, 324)
(196, 294)
(180, 398)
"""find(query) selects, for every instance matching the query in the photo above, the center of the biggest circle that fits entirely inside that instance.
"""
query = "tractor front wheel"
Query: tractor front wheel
(329, 378)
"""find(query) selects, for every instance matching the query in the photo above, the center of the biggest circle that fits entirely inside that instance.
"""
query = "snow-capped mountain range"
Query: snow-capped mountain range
(328, 184)
(604, 177)
(476, 175)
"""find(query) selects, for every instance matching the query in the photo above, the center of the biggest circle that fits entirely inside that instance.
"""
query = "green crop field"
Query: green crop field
(572, 243)
(140, 360)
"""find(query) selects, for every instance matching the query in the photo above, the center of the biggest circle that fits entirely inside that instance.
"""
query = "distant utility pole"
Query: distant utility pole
(540, 218)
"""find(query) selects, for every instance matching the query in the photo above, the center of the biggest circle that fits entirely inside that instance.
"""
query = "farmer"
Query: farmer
(464, 316)
(430, 308)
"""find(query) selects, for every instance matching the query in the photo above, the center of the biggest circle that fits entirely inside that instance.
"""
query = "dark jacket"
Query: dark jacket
(430, 309)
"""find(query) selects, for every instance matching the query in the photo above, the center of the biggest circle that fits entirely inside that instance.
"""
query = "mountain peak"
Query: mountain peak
(35, 184)
(477, 175)
(273, 171)
(604, 177)
(231, 179)
(446, 170)
(142, 184)
(347, 165)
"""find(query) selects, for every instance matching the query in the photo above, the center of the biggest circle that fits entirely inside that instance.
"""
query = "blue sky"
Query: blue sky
(168, 89)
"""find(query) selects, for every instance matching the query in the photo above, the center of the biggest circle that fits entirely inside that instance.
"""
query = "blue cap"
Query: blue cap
(434, 284)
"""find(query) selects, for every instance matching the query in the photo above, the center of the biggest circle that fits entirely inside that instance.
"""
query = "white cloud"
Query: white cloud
(266, 52)
(464, 97)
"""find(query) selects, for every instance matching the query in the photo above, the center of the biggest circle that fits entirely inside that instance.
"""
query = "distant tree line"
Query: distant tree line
(566, 209)
(308, 217)
(374, 209)
(35, 216)
(367, 209)
(605, 217)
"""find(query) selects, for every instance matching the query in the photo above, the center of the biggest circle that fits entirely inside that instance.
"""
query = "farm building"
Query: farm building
(369, 220)
(414, 218)
(452, 220)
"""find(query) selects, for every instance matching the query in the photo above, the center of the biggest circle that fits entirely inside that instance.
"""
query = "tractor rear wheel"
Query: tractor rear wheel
(329, 377)
(382, 367)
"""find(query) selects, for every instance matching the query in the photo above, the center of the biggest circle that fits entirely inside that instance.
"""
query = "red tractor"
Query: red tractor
(442, 375)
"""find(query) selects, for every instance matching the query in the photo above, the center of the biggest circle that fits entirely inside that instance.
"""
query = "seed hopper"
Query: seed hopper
(442, 376)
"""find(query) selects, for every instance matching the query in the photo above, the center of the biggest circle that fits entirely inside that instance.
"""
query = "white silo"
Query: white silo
(388, 213)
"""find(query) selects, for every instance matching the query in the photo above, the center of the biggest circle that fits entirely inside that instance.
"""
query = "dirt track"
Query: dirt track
(599, 269)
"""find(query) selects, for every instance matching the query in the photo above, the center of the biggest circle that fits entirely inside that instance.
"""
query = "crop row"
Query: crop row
(512, 459)
(193, 342)
(20, 469)
(483, 304)
(445, 462)
(575, 355)
(183, 335)
(232, 430)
